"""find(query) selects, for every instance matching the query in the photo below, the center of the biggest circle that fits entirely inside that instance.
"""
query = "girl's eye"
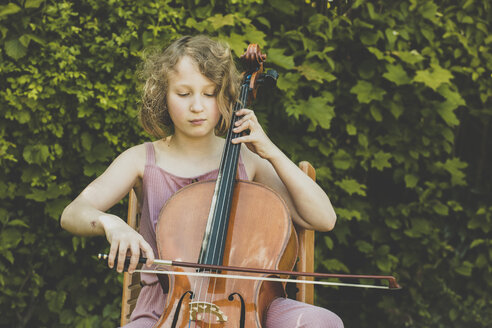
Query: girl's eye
(183, 94)
(210, 94)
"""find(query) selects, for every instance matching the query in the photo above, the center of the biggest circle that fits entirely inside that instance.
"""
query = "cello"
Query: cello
(216, 233)
(229, 223)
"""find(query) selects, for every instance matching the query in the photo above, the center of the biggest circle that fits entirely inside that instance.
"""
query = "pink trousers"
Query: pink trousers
(283, 313)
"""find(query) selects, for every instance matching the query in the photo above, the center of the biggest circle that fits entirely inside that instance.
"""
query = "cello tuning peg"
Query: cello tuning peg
(271, 74)
(269, 79)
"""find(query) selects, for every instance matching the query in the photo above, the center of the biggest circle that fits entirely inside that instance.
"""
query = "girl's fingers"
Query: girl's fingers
(244, 111)
(149, 253)
(243, 139)
(246, 125)
(112, 254)
(249, 115)
(121, 256)
(135, 250)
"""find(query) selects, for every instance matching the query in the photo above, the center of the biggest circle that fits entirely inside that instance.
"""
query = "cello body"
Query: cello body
(225, 222)
(260, 235)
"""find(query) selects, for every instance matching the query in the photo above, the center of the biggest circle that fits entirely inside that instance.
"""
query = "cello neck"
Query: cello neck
(212, 249)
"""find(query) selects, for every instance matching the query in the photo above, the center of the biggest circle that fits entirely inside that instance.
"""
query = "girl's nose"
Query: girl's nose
(197, 105)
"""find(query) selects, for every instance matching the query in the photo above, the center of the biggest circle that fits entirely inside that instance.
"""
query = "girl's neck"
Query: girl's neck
(194, 147)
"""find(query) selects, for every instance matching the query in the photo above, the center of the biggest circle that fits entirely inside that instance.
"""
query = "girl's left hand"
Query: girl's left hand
(253, 135)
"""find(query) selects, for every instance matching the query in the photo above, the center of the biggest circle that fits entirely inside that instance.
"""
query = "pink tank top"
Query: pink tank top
(157, 187)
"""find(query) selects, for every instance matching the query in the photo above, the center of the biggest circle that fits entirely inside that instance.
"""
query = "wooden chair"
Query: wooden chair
(305, 292)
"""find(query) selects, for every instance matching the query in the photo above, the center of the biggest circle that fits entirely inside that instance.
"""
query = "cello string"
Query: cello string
(221, 170)
(227, 176)
(230, 151)
(229, 169)
(225, 170)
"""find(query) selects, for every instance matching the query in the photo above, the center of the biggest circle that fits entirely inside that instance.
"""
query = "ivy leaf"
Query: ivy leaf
(263, 21)
(381, 160)
(236, 42)
(219, 21)
(100, 152)
(316, 109)
(56, 299)
(334, 265)
(452, 96)
(369, 37)
(386, 263)
(52, 192)
(348, 214)
(351, 186)
(18, 223)
(411, 180)
(420, 227)
(367, 92)
(351, 129)
(477, 242)
(433, 77)
(328, 242)
(440, 209)
(10, 238)
(342, 160)
(393, 223)
(315, 72)
(288, 82)
(480, 222)
(15, 49)
(396, 74)
(277, 57)
(428, 10)
(254, 36)
(376, 113)
(9, 256)
(36, 154)
(464, 269)
(380, 55)
(452, 101)
(286, 7)
(446, 111)
(86, 140)
(9, 9)
(410, 57)
(454, 167)
(33, 3)
(364, 247)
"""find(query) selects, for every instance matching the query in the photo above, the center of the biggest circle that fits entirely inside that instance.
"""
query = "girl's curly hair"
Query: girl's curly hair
(214, 61)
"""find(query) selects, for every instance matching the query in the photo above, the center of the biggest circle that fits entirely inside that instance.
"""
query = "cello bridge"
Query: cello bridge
(199, 309)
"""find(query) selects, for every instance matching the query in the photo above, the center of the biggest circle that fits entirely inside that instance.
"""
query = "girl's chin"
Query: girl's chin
(198, 133)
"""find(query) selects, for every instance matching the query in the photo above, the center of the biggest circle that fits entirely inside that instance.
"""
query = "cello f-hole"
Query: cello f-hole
(178, 308)
(242, 320)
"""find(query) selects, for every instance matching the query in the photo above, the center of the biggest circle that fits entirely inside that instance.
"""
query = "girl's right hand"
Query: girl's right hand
(125, 241)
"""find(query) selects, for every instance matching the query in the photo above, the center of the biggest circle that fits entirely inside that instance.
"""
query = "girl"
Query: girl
(187, 102)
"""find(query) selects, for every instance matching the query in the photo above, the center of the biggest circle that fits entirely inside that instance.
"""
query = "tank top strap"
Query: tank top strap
(242, 174)
(150, 153)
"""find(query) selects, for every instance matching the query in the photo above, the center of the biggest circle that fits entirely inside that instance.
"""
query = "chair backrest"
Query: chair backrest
(305, 292)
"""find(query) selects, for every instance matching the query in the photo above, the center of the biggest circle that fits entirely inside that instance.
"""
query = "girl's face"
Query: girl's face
(191, 100)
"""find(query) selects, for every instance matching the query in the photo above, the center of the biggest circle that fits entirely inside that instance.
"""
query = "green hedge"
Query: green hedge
(390, 100)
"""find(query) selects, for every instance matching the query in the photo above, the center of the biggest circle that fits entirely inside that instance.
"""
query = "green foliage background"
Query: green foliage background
(390, 100)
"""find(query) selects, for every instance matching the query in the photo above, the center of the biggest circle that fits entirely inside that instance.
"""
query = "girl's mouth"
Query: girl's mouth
(197, 121)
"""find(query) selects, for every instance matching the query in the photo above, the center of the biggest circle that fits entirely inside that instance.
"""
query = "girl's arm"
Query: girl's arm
(85, 216)
(310, 206)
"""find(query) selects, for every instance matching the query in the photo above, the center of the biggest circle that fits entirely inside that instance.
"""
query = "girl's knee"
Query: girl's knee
(323, 319)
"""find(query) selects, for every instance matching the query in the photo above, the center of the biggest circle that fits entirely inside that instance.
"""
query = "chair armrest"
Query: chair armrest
(306, 249)
(131, 282)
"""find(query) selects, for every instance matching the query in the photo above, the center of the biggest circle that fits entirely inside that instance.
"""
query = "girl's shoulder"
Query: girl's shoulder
(133, 157)
(252, 162)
